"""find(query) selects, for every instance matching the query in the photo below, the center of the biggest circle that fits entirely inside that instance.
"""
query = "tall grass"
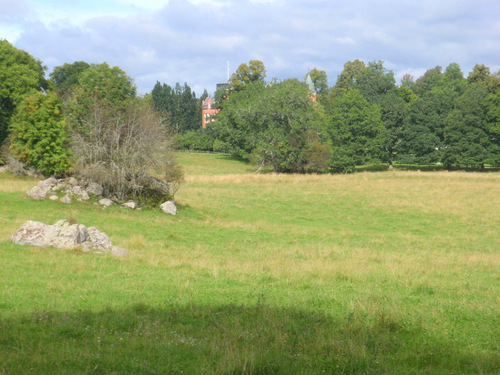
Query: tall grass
(388, 272)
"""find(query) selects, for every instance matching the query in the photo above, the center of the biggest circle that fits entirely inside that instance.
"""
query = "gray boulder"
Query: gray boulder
(106, 202)
(70, 236)
(43, 188)
(49, 182)
(94, 188)
(35, 233)
(169, 207)
(66, 199)
(40, 234)
(64, 235)
(37, 192)
(72, 181)
(79, 193)
(130, 204)
(97, 240)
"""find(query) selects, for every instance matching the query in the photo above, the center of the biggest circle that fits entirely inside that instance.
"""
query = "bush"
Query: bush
(127, 152)
(38, 134)
(200, 140)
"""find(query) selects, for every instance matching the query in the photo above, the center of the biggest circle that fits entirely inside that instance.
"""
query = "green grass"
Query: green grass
(376, 273)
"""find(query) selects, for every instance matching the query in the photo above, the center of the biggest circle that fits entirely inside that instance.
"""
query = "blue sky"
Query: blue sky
(192, 40)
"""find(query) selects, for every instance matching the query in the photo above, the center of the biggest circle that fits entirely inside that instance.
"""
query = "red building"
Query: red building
(208, 112)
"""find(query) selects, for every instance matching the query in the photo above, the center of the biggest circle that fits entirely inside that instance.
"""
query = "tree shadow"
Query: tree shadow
(231, 339)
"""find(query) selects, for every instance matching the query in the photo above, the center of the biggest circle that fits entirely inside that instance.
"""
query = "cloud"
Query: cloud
(191, 41)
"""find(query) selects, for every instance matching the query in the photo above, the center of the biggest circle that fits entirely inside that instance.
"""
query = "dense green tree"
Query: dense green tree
(453, 78)
(394, 112)
(423, 131)
(254, 71)
(276, 125)
(237, 122)
(492, 107)
(20, 74)
(407, 88)
(374, 81)
(492, 124)
(466, 137)
(179, 105)
(357, 132)
(320, 81)
(480, 73)
(65, 77)
(38, 134)
(348, 77)
(378, 86)
(431, 78)
(99, 85)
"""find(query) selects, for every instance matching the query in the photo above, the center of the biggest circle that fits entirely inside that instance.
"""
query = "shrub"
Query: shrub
(127, 152)
(38, 134)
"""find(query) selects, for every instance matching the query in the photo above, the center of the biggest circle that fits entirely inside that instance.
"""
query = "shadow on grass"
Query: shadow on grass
(225, 340)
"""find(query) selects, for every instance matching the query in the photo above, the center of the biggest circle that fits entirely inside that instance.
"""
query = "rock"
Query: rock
(106, 202)
(72, 181)
(130, 204)
(35, 233)
(49, 182)
(70, 236)
(169, 207)
(79, 193)
(3, 169)
(64, 235)
(66, 199)
(38, 192)
(39, 234)
(62, 223)
(94, 188)
(119, 251)
(97, 240)
(54, 197)
(42, 189)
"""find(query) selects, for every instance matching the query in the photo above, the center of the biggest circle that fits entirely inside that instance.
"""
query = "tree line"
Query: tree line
(73, 121)
(364, 118)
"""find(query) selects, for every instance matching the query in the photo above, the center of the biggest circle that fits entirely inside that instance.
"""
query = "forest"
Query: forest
(440, 118)
(302, 126)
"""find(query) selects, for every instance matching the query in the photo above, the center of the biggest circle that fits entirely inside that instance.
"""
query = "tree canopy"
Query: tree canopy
(253, 72)
(20, 74)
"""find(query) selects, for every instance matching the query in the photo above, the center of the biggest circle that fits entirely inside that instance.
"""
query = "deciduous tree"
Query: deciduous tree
(20, 74)
(109, 88)
(276, 125)
(65, 77)
(357, 132)
(466, 138)
(38, 134)
(253, 72)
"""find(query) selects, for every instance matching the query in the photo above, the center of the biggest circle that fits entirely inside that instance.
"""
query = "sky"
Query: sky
(193, 41)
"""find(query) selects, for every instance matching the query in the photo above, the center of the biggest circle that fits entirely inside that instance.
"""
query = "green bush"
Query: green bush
(38, 134)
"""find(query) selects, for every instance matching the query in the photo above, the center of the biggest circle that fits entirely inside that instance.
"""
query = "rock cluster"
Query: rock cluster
(64, 235)
(69, 189)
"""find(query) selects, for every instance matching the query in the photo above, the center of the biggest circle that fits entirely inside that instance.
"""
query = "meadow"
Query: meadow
(388, 272)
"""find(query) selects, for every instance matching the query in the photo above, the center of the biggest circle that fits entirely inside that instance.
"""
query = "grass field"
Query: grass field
(371, 273)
